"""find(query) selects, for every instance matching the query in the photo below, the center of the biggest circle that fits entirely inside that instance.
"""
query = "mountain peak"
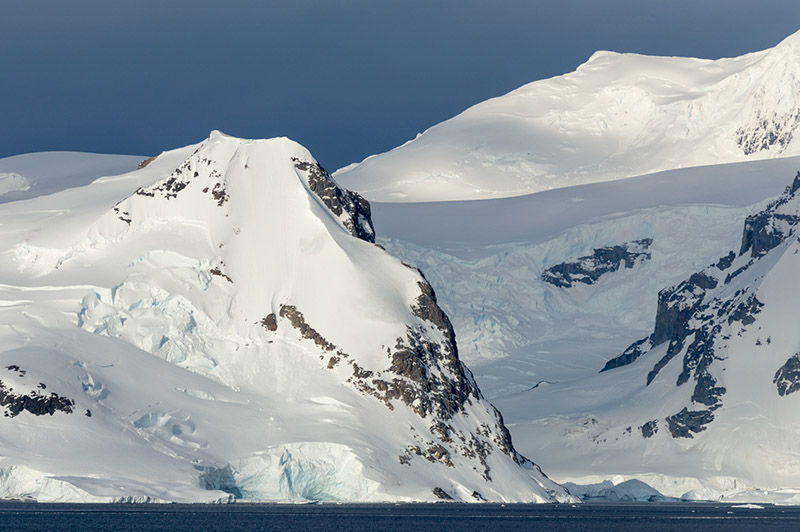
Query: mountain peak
(285, 355)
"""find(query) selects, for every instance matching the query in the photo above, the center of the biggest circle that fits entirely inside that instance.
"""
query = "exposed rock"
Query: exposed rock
(682, 424)
(169, 187)
(697, 316)
(216, 271)
(123, 215)
(590, 268)
(769, 132)
(219, 478)
(787, 378)
(34, 402)
(633, 352)
(725, 262)
(703, 280)
(145, 162)
(220, 194)
(439, 492)
(746, 311)
(650, 428)
(768, 228)
(270, 322)
(297, 320)
(345, 204)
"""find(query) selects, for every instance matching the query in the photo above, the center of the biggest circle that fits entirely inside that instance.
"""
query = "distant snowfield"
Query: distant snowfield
(616, 116)
(38, 174)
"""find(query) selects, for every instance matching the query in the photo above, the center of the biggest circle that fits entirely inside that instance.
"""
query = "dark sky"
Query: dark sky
(346, 78)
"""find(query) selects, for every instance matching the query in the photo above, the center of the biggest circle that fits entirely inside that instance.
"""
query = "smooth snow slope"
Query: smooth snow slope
(617, 115)
(37, 174)
(220, 324)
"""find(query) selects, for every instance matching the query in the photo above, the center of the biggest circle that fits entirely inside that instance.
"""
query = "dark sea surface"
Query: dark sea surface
(405, 517)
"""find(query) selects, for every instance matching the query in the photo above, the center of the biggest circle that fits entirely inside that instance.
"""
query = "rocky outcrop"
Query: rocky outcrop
(298, 321)
(698, 316)
(34, 402)
(773, 132)
(633, 352)
(685, 422)
(347, 205)
(145, 162)
(767, 229)
(441, 494)
(787, 378)
(650, 428)
(588, 269)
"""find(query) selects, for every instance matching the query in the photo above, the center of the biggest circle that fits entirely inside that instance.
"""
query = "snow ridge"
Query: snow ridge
(615, 116)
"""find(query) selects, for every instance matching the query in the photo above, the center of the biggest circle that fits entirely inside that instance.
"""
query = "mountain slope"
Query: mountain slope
(220, 323)
(707, 400)
(617, 115)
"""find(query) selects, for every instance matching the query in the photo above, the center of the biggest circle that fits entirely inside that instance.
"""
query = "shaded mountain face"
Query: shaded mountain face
(615, 116)
(699, 318)
(223, 316)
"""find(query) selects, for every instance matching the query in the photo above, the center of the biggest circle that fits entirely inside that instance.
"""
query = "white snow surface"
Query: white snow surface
(616, 116)
(37, 174)
(141, 298)
(11, 182)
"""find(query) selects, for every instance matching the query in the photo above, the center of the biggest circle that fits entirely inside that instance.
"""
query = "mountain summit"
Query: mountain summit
(219, 323)
(616, 116)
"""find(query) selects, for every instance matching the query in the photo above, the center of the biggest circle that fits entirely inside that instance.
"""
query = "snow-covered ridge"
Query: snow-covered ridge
(222, 319)
(615, 116)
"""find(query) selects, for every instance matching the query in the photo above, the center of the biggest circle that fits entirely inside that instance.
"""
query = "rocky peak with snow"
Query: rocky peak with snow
(287, 356)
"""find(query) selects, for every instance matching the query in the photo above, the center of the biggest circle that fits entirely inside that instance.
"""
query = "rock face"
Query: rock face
(589, 269)
(296, 360)
(36, 402)
(697, 318)
(346, 204)
(787, 378)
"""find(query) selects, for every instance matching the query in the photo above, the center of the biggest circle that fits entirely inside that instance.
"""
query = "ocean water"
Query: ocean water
(405, 517)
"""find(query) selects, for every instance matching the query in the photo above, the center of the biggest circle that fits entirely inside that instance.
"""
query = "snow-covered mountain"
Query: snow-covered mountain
(616, 116)
(705, 401)
(220, 323)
